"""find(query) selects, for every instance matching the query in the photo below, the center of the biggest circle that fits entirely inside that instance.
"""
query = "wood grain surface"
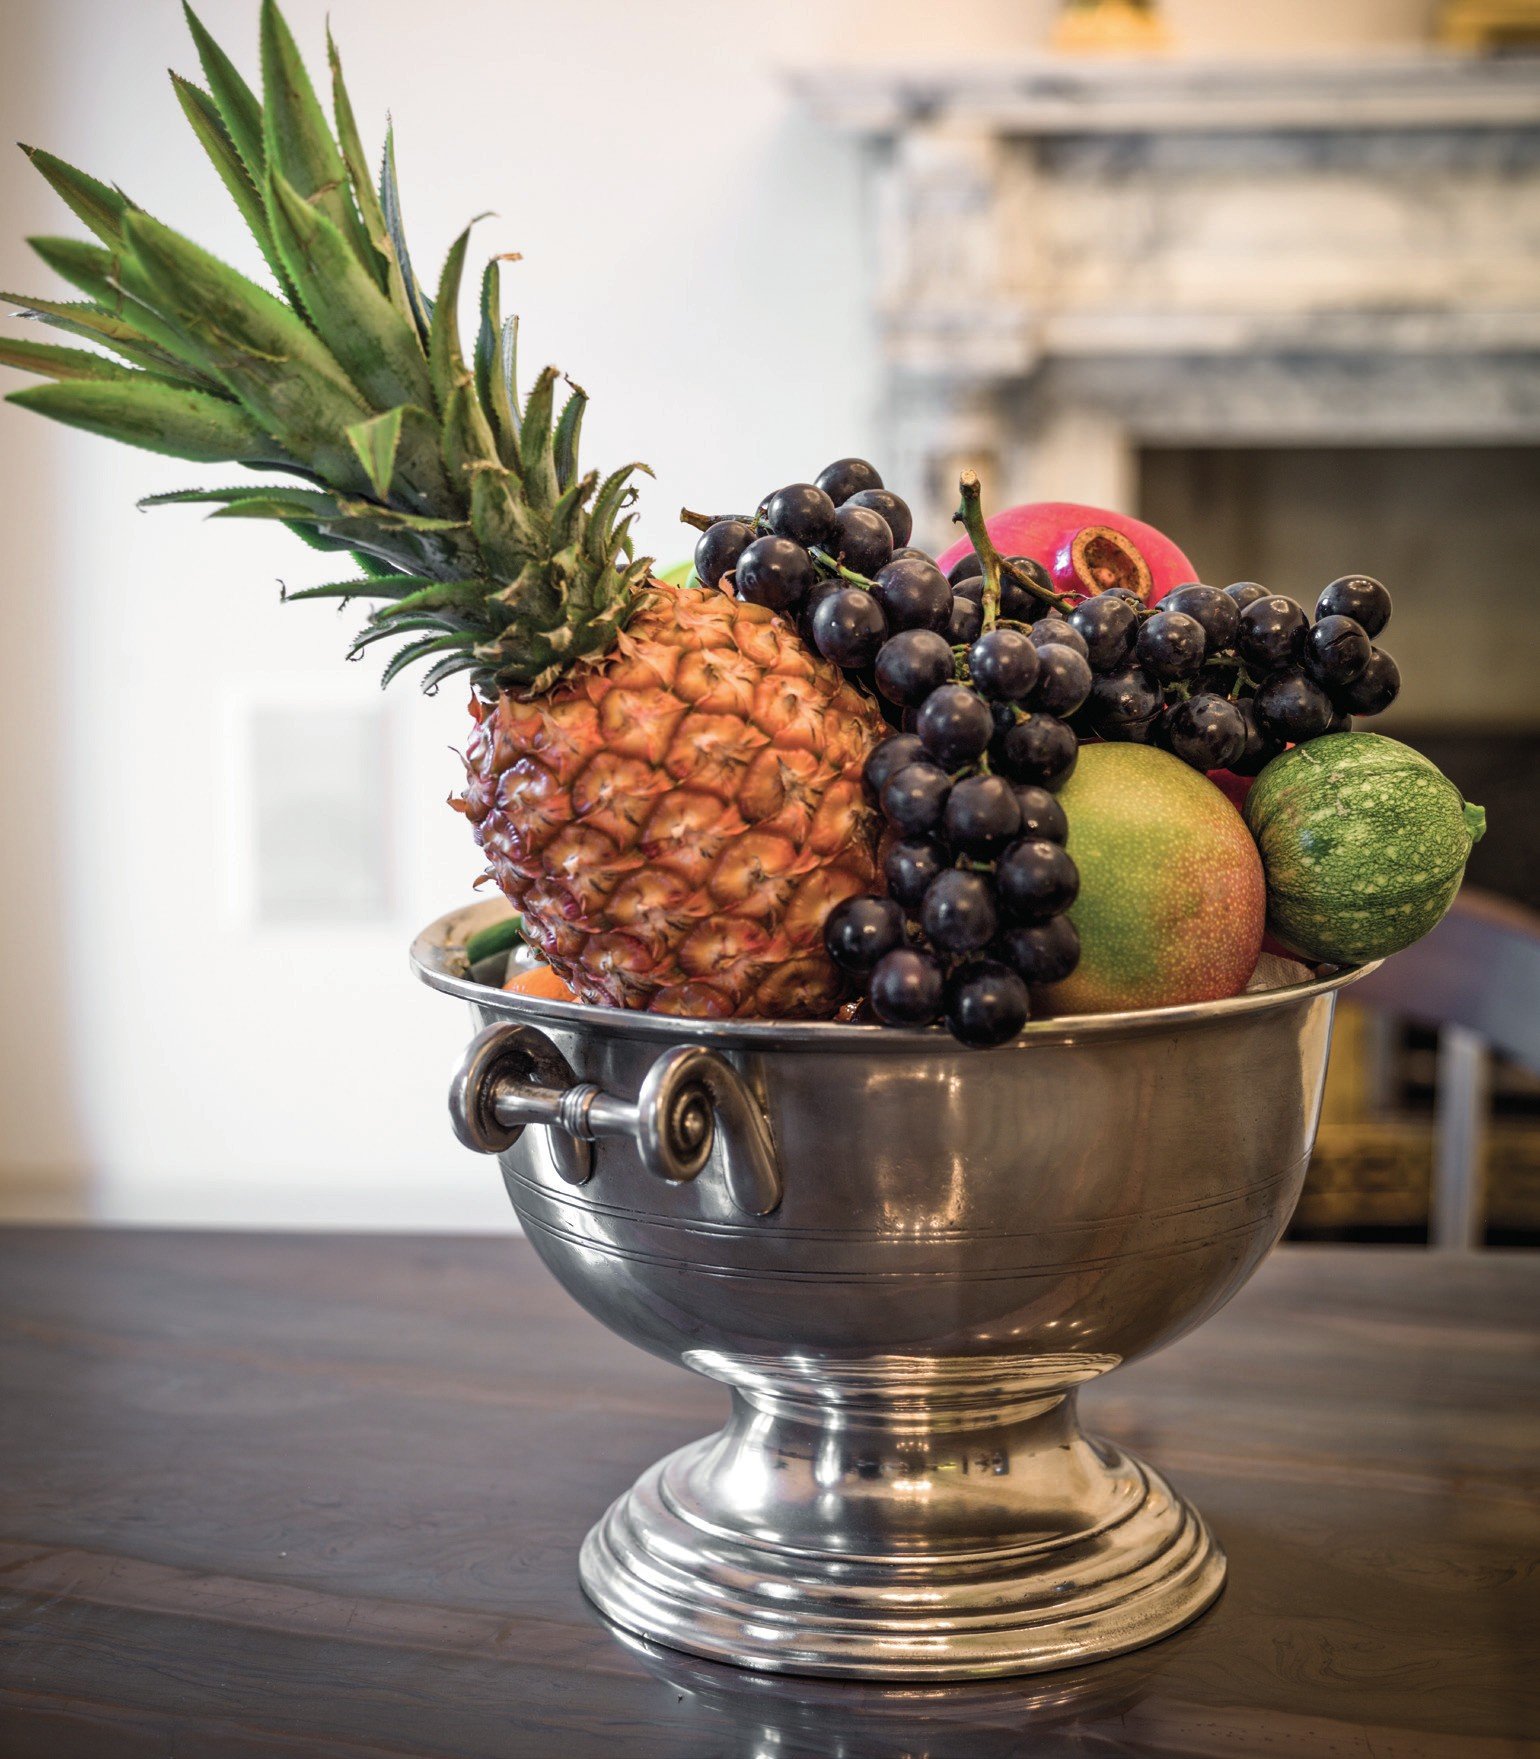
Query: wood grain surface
(322, 1496)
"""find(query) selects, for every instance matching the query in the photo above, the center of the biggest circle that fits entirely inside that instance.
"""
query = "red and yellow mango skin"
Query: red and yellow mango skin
(1172, 898)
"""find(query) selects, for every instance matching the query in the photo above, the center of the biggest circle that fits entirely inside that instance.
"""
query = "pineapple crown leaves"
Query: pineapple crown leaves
(483, 544)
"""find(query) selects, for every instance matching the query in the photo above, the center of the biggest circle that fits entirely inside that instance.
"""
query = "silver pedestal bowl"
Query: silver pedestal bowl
(902, 1258)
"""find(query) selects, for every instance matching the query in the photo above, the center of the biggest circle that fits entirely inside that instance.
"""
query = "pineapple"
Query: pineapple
(666, 783)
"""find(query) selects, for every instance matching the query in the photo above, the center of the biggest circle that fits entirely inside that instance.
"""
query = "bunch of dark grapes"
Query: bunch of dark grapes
(834, 556)
(1226, 679)
(978, 877)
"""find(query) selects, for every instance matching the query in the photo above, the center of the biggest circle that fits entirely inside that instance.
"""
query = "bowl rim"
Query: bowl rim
(437, 960)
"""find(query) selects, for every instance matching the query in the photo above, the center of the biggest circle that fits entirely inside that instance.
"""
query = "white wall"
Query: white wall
(692, 254)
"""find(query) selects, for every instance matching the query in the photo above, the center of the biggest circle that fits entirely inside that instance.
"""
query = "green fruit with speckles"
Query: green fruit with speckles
(1364, 844)
(1171, 895)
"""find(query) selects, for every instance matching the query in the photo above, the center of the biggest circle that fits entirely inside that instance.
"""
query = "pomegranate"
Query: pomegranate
(1087, 549)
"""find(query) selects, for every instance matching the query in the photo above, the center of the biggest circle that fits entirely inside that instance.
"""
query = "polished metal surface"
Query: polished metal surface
(902, 1490)
(513, 1076)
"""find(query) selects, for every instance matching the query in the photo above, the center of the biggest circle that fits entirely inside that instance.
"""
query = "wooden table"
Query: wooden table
(322, 1496)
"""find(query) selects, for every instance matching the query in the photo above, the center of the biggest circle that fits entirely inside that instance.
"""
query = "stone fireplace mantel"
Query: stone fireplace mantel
(1076, 258)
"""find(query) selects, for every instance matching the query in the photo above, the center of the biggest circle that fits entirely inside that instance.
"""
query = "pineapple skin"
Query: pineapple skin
(676, 818)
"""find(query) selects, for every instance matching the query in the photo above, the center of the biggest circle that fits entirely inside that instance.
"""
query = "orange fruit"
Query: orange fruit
(541, 981)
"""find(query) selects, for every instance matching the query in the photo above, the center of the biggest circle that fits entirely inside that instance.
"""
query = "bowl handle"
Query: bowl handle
(514, 1076)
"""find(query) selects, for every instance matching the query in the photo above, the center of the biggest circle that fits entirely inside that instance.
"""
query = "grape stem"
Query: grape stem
(970, 515)
(824, 559)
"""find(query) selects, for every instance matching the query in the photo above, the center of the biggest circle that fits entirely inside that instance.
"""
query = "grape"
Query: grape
(1340, 723)
(864, 543)
(912, 664)
(1358, 597)
(808, 609)
(914, 798)
(719, 547)
(911, 553)
(906, 988)
(1016, 602)
(958, 915)
(1003, 664)
(1272, 633)
(967, 621)
(888, 758)
(1056, 631)
(1207, 731)
(1039, 749)
(1041, 952)
(849, 627)
(966, 567)
(981, 816)
(1214, 611)
(1171, 644)
(1036, 879)
(1258, 751)
(1109, 626)
(986, 1004)
(913, 595)
(803, 513)
(1245, 592)
(1289, 706)
(955, 725)
(910, 866)
(972, 589)
(857, 932)
(1063, 680)
(1336, 651)
(1124, 704)
(888, 506)
(1041, 815)
(1374, 689)
(774, 572)
(847, 477)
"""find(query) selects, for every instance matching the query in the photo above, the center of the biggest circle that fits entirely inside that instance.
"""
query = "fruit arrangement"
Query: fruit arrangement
(819, 769)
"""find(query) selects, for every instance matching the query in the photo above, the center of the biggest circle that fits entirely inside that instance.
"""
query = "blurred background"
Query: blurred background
(1267, 275)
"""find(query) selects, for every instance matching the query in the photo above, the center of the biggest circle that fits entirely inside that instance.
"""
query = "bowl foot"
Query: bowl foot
(857, 1550)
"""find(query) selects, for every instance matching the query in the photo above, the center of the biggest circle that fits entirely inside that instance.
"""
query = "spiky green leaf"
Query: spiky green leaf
(414, 651)
(390, 207)
(373, 343)
(99, 205)
(445, 361)
(463, 598)
(203, 115)
(160, 417)
(66, 363)
(299, 144)
(491, 388)
(238, 107)
(306, 504)
(98, 273)
(282, 372)
(369, 209)
(372, 586)
(612, 493)
(537, 462)
(569, 426)
(376, 442)
(81, 318)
